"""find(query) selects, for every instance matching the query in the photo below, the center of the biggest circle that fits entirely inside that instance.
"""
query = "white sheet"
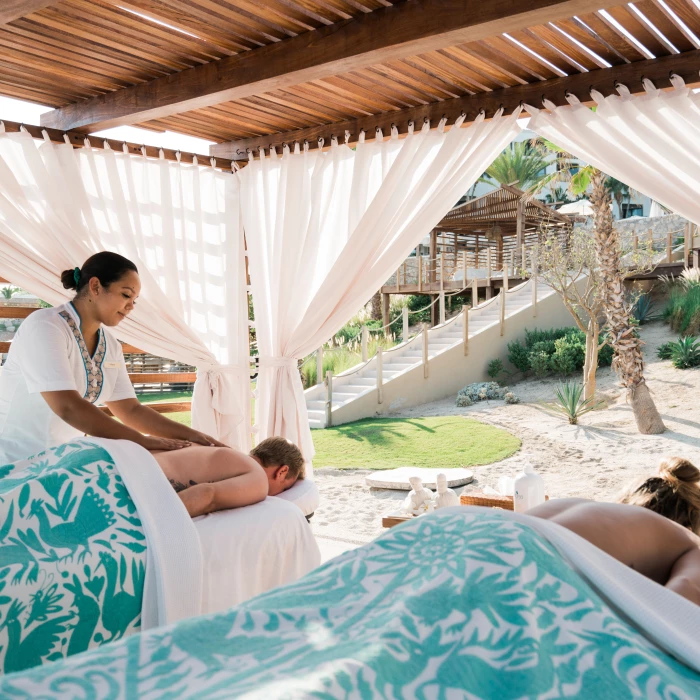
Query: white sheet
(217, 561)
(251, 550)
(667, 619)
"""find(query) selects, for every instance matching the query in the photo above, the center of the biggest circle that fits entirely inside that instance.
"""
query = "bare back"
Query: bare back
(635, 536)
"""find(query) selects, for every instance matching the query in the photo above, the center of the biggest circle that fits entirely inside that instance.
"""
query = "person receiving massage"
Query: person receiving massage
(653, 528)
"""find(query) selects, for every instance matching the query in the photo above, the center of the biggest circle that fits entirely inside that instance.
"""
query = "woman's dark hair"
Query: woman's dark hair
(107, 267)
(674, 493)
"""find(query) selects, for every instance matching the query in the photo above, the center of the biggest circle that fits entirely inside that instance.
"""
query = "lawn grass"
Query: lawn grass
(156, 397)
(384, 443)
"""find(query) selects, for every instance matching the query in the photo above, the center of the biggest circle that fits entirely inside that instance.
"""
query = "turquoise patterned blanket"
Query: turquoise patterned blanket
(459, 604)
(72, 556)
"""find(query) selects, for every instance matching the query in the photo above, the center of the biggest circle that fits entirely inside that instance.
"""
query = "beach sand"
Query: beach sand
(594, 459)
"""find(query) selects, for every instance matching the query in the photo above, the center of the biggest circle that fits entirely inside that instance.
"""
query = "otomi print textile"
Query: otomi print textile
(72, 556)
(460, 604)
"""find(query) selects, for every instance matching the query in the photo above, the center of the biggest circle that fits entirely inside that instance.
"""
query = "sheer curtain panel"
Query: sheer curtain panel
(325, 230)
(179, 223)
(650, 141)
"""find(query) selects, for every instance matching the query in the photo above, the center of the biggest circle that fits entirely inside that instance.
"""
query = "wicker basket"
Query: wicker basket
(476, 498)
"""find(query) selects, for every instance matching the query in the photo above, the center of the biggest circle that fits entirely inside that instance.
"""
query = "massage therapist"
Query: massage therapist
(63, 361)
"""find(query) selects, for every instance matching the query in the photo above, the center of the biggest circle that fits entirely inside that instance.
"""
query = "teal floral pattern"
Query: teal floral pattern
(451, 605)
(72, 556)
(93, 365)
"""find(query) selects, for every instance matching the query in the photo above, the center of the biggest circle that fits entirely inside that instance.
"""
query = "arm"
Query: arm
(70, 407)
(685, 575)
(146, 420)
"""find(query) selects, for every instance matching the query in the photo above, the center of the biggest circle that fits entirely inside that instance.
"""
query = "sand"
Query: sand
(594, 459)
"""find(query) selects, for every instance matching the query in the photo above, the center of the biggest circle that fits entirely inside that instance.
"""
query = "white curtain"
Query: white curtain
(179, 223)
(651, 141)
(325, 230)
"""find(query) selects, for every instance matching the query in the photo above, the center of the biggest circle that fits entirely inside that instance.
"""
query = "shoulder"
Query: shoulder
(42, 320)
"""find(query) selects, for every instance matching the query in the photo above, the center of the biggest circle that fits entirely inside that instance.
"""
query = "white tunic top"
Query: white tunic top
(48, 353)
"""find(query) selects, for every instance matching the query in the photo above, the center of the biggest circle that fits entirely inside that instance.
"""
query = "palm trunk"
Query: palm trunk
(628, 361)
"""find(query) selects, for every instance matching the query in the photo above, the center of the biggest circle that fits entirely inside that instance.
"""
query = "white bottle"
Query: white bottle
(528, 490)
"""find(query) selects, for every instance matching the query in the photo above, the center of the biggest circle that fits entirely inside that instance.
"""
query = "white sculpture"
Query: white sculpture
(419, 499)
(444, 498)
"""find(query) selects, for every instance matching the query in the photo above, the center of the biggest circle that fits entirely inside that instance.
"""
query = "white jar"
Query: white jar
(528, 490)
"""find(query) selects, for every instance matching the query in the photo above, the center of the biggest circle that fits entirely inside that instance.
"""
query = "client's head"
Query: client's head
(282, 461)
(674, 493)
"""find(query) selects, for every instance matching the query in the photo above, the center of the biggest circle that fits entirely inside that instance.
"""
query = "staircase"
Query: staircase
(449, 367)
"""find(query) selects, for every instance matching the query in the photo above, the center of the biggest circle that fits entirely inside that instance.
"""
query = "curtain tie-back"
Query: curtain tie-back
(217, 384)
(269, 361)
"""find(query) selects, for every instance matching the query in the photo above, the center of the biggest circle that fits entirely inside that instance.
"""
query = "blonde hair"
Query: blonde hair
(278, 451)
(674, 493)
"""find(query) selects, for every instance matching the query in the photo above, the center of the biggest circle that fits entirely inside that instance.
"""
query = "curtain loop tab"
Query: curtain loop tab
(161, 154)
(676, 81)
(548, 104)
(394, 131)
(411, 126)
(460, 119)
(285, 149)
(347, 136)
(378, 134)
(572, 99)
(297, 148)
(306, 146)
(334, 141)
(321, 141)
(178, 155)
(532, 111)
(361, 138)
(2, 128)
(21, 128)
(623, 90)
(194, 160)
(143, 150)
(211, 160)
(86, 142)
(45, 134)
(441, 123)
(426, 125)
(597, 96)
(106, 146)
(125, 148)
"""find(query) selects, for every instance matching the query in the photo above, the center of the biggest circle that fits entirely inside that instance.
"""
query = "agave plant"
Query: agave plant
(643, 309)
(685, 353)
(570, 401)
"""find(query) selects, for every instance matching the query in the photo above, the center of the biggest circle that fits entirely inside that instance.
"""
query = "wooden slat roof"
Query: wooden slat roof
(74, 50)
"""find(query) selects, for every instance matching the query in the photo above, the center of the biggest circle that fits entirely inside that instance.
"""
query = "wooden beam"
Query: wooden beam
(386, 34)
(10, 10)
(77, 140)
(162, 377)
(165, 407)
(604, 80)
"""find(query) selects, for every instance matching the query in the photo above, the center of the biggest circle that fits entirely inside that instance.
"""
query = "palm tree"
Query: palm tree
(9, 291)
(618, 190)
(521, 163)
(628, 361)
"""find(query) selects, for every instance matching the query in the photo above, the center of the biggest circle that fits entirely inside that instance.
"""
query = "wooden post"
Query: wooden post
(432, 265)
(398, 279)
(476, 254)
(488, 266)
(503, 310)
(329, 399)
(635, 242)
(475, 292)
(669, 247)
(464, 269)
(442, 270)
(380, 369)
(465, 329)
(489, 292)
(687, 235)
(506, 283)
(363, 340)
(499, 253)
(512, 264)
(404, 319)
(420, 273)
(696, 258)
(519, 221)
(319, 365)
(425, 350)
(523, 260)
(533, 282)
(386, 302)
(454, 257)
(442, 307)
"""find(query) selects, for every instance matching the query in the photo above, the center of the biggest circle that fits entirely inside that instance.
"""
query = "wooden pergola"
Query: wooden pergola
(250, 75)
(504, 220)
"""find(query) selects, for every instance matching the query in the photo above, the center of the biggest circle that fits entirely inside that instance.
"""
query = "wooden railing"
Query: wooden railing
(22, 312)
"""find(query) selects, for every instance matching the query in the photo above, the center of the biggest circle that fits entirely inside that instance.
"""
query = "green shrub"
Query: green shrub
(643, 310)
(418, 301)
(570, 401)
(683, 309)
(539, 361)
(568, 356)
(519, 356)
(495, 368)
(538, 336)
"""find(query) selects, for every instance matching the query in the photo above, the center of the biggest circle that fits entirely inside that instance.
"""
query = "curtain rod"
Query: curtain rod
(77, 140)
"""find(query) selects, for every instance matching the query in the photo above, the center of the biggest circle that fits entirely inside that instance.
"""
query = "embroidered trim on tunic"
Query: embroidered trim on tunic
(93, 365)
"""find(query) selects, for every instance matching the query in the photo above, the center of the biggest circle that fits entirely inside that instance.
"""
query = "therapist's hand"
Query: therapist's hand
(202, 439)
(165, 444)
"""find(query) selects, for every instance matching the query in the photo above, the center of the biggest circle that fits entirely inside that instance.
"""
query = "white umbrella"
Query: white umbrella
(582, 207)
